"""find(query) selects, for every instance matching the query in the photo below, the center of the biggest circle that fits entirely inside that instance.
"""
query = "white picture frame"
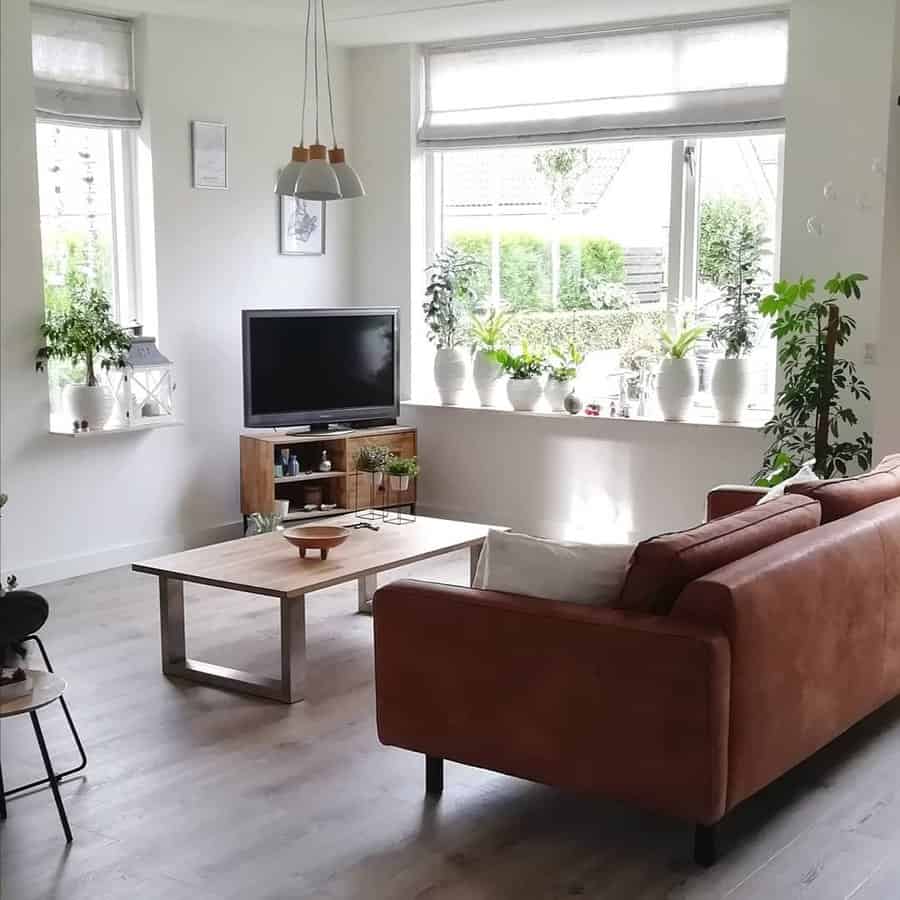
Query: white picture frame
(301, 227)
(209, 152)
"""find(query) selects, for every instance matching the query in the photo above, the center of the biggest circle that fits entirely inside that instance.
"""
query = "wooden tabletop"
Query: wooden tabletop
(47, 688)
(268, 564)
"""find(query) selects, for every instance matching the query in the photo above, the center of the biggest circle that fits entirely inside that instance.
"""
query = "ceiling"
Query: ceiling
(363, 22)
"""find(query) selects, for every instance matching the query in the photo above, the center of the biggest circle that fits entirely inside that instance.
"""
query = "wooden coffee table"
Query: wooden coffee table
(266, 564)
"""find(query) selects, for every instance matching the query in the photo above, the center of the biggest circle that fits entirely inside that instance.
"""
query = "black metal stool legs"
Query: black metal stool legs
(75, 736)
(53, 779)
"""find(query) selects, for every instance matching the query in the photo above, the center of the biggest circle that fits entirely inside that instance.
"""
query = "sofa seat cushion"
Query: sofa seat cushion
(844, 496)
(663, 566)
(552, 570)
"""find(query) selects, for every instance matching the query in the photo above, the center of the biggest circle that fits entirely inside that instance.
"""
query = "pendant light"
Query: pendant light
(316, 173)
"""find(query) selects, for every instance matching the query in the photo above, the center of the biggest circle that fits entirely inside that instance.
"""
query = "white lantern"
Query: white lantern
(144, 389)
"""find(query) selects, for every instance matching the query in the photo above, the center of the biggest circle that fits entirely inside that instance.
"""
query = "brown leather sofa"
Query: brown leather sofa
(741, 648)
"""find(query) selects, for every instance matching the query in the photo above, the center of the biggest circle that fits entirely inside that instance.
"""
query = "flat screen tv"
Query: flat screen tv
(319, 367)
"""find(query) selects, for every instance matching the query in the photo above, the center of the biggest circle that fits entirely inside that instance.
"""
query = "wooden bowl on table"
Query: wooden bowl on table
(316, 537)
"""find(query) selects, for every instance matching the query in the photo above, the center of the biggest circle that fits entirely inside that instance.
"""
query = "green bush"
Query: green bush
(526, 268)
(722, 218)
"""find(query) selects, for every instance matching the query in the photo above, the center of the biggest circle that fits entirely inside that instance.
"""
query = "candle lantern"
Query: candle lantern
(144, 388)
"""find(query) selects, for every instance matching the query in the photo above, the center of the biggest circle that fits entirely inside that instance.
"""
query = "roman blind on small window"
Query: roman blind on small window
(83, 69)
(666, 80)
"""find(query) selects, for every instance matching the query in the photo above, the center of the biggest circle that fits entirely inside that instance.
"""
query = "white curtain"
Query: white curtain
(677, 79)
(83, 68)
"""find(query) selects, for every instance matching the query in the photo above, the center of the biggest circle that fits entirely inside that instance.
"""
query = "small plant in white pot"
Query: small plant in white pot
(374, 460)
(85, 333)
(738, 255)
(450, 295)
(400, 469)
(676, 384)
(487, 332)
(526, 385)
(561, 379)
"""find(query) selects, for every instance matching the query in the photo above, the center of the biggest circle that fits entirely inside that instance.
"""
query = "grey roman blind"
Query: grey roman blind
(678, 79)
(83, 72)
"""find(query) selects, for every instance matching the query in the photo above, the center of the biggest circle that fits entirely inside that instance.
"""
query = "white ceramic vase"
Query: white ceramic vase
(676, 386)
(556, 392)
(524, 393)
(731, 388)
(399, 482)
(450, 372)
(487, 374)
(81, 401)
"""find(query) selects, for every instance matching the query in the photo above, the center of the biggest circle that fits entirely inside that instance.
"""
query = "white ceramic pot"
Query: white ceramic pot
(399, 482)
(731, 388)
(487, 374)
(524, 393)
(450, 372)
(556, 392)
(676, 386)
(81, 401)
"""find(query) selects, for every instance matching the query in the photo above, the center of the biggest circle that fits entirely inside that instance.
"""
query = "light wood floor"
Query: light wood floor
(197, 794)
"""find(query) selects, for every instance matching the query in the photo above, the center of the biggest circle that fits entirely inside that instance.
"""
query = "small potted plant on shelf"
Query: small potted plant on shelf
(737, 256)
(487, 372)
(677, 381)
(450, 295)
(561, 380)
(85, 333)
(525, 370)
(373, 459)
(401, 469)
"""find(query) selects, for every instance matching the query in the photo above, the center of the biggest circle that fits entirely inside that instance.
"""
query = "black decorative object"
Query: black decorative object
(572, 403)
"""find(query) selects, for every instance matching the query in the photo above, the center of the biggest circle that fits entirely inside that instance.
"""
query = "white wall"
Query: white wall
(76, 505)
(839, 104)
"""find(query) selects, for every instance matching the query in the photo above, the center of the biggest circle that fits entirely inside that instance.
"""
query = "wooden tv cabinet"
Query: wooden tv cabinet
(260, 488)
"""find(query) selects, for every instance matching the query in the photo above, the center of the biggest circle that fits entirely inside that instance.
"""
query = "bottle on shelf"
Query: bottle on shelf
(325, 464)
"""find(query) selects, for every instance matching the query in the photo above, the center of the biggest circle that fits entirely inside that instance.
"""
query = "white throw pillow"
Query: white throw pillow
(803, 475)
(553, 570)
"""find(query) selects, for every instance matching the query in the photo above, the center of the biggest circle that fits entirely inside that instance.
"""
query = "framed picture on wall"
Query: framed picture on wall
(209, 149)
(302, 227)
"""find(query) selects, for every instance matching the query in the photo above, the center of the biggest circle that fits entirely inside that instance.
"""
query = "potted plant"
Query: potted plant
(487, 372)
(561, 380)
(736, 256)
(85, 332)
(371, 458)
(677, 381)
(401, 469)
(525, 385)
(450, 294)
(813, 404)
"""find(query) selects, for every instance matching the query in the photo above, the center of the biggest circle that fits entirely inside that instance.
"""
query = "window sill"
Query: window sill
(754, 420)
(118, 429)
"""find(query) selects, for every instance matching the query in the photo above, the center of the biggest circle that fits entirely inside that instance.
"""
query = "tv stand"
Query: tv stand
(341, 486)
(342, 427)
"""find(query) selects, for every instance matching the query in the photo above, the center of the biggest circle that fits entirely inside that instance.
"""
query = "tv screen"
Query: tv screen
(318, 366)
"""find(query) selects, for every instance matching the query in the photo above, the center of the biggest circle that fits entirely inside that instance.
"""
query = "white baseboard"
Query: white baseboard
(32, 574)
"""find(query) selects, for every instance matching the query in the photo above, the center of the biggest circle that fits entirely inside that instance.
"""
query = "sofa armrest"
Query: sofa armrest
(729, 498)
(585, 698)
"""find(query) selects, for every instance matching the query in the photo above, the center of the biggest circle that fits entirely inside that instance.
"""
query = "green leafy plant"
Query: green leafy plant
(84, 332)
(569, 359)
(371, 458)
(678, 346)
(522, 366)
(488, 330)
(451, 297)
(737, 257)
(812, 406)
(721, 217)
(400, 465)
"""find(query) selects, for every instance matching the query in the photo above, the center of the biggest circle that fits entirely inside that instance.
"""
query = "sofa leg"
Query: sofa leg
(705, 852)
(434, 776)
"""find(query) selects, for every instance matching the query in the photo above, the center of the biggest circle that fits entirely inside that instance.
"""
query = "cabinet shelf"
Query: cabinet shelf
(298, 515)
(308, 476)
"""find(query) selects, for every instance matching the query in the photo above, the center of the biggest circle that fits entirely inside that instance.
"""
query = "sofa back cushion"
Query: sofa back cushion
(844, 496)
(663, 566)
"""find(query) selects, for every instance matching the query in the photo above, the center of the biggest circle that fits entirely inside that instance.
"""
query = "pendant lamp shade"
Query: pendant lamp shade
(317, 180)
(317, 173)
(347, 178)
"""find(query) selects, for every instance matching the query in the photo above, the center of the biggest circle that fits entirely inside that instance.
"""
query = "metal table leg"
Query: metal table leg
(54, 781)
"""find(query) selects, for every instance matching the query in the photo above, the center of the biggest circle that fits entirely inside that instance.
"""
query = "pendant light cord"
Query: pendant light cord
(328, 73)
(316, 66)
(305, 71)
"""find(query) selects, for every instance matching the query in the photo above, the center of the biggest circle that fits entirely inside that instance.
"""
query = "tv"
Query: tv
(320, 367)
